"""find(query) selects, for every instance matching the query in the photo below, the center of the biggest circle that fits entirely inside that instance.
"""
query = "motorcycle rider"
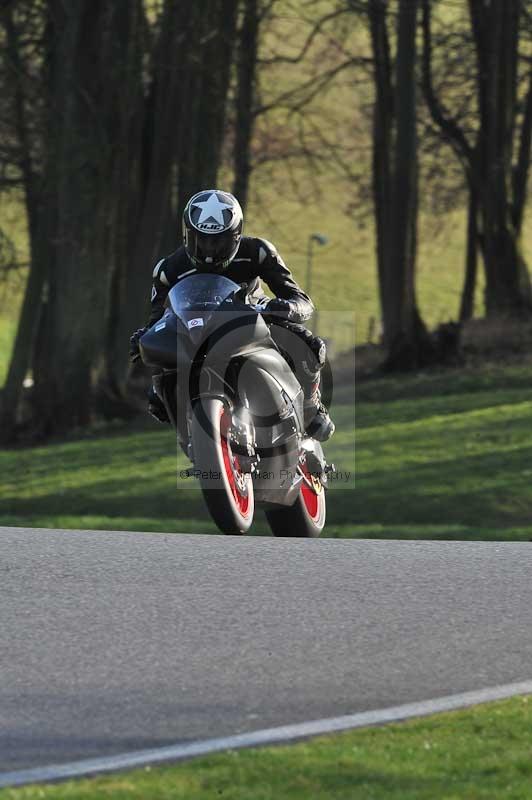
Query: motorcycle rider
(213, 243)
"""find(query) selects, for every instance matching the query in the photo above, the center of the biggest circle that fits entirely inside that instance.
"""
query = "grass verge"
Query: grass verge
(440, 455)
(483, 752)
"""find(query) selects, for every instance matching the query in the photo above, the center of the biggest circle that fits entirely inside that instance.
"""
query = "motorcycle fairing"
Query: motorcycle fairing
(224, 349)
(158, 344)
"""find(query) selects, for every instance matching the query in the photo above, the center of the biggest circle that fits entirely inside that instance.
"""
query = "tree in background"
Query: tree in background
(491, 138)
(81, 150)
(245, 98)
(129, 120)
(111, 115)
(26, 163)
(395, 183)
(178, 151)
(504, 155)
(448, 62)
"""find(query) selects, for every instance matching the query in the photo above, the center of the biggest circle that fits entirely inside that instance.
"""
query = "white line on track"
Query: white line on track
(280, 735)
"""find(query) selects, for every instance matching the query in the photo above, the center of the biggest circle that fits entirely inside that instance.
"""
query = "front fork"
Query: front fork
(241, 435)
(242, 438)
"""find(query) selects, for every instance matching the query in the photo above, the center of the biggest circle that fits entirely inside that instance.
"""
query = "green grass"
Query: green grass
(483, 752)
(440, 455)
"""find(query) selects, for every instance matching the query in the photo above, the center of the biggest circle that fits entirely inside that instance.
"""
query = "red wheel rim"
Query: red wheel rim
(232, 469)
(310, 497)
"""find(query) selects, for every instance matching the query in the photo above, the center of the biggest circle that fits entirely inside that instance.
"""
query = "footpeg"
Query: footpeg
(316, 467)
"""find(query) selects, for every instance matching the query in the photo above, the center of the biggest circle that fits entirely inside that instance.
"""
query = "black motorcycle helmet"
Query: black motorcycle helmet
(212, 229)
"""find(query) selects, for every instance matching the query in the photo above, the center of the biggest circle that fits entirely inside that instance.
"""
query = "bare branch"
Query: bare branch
(317, 28)
(316, 86)
(451, 130)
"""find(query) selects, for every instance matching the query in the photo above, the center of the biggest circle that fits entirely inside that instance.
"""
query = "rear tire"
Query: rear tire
(227, 491)
(306, 518)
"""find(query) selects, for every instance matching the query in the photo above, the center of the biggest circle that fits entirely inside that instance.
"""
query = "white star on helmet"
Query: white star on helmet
(212, 208)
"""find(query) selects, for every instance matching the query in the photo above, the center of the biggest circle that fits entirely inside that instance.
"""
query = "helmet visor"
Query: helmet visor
(216, 248)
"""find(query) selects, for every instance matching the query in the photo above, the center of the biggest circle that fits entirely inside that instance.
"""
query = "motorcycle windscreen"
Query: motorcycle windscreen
(196, 299)
(202, 293)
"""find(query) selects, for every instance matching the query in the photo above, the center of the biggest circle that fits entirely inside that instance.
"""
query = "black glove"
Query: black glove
(283, 309)
(134, 350)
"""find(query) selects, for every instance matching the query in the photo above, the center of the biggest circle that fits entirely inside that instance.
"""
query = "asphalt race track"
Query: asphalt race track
(113, 642)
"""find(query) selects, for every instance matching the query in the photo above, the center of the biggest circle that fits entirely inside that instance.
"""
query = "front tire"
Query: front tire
(304, 519)
(228, 491)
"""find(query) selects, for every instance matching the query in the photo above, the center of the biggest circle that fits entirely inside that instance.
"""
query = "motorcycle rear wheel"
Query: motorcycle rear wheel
(228, 492)
(304, 519)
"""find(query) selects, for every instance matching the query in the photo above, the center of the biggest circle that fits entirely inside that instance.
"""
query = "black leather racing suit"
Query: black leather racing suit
(257, 260)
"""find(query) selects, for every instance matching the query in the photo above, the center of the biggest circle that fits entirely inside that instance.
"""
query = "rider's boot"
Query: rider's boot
(318, 423)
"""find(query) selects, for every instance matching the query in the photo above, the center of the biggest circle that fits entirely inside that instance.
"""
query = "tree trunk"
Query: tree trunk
(508, 290)
(383, 116)
(404, 179)
(161, 123)
(467, 302)
(127, 189)
(522, 167)
(406, 338)
(78, 274)
(182, 137)
(208, 86)
(245, 99)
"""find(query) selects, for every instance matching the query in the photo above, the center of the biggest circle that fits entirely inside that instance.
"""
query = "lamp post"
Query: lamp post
(321, 239)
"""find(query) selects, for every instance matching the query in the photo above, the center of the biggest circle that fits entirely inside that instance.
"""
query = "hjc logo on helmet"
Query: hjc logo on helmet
(209, 226)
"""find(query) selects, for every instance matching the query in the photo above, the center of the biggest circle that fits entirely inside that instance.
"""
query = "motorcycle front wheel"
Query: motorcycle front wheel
(228, 492)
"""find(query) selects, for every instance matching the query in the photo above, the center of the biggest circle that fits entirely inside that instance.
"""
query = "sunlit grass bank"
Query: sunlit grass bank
(484, 752)
(442, 455)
